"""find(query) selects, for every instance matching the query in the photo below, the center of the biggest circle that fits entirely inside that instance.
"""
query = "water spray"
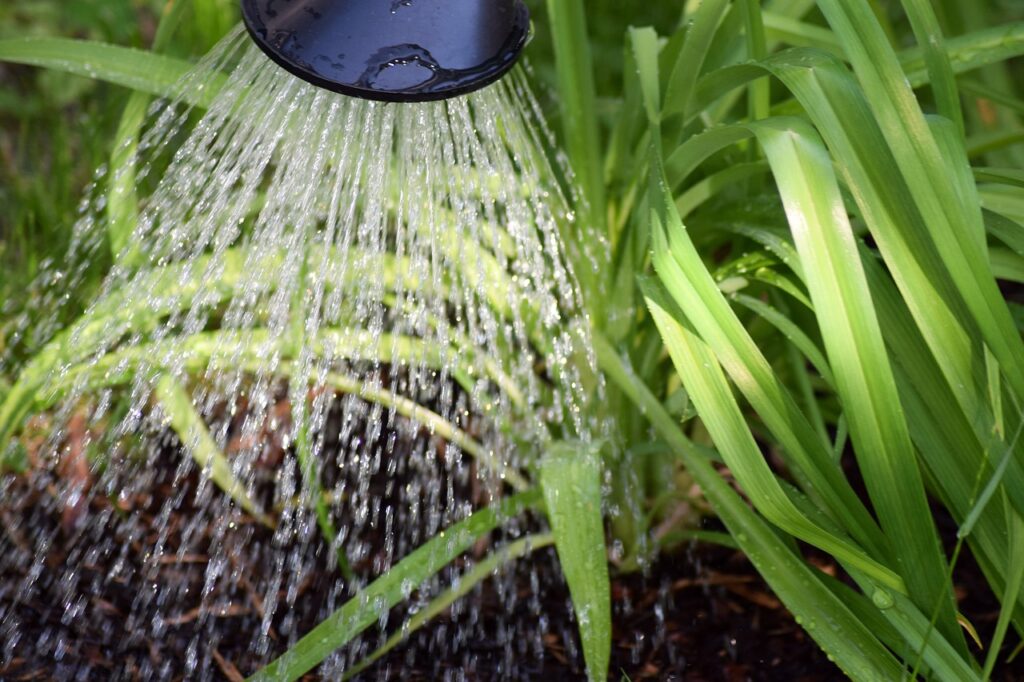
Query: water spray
(339, 329)
(391, 50)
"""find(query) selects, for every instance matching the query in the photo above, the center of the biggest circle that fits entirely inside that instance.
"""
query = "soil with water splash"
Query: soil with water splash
(702, 614)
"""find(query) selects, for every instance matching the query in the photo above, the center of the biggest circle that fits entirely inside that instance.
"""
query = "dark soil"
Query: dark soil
(702, 613)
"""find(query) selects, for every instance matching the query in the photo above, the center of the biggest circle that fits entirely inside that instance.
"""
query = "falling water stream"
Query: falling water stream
(333, 317)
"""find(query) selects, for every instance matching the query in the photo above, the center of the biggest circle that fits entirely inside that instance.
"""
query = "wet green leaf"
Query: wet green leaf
(570, 475)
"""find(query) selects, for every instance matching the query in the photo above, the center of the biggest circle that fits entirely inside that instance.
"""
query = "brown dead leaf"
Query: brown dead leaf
(74, 471)
(230, 611)
(228, 668)
(756, 596)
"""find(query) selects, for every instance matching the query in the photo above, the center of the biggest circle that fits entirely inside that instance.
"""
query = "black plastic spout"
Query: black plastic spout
(392, 50)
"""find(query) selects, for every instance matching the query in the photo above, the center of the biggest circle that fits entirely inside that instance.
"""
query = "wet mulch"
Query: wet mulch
(702, 613)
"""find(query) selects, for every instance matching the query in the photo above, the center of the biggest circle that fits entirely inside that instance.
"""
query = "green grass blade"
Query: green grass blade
(570, 475)
(684, 274)
(1007, 204)
(969, 52)
(1007, 265)
(644, 43)
(950, 223)
(568, 19)
(1015, 573)
(682, 79)
(136, 69)
(797, 33)
(792, 331)
(713, 398)
(992, 486)
(834, 627)
(186, 422)
(945, 438)
(945, 660)
(864, 378)
(966, 53)
(122, 202)
(837, 107)
(940, 71)
(729, 45)
(759, 105)
(711, 394)
(363, 609)
(463, 586)
(705, 190)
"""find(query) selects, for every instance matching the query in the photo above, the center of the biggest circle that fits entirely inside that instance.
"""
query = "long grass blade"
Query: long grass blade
(703, 377)
(940, 71)
(683, 272)
(570, 476)
(1015, 573)
(568, 19)
(136, 69)
(189, 426)
(950, 222)
(837, 630)
(466, 583)
(122, 202)
(364, 608)
(853, 339)
(685, 71)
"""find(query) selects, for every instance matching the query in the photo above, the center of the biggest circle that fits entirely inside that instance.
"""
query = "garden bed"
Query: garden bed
(703, 615)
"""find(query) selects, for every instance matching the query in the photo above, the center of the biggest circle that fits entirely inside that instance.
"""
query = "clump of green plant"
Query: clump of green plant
(821, 259)
(810, 233)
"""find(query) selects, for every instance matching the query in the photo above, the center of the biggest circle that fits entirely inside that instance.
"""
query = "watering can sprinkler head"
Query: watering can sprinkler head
(391, 50)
